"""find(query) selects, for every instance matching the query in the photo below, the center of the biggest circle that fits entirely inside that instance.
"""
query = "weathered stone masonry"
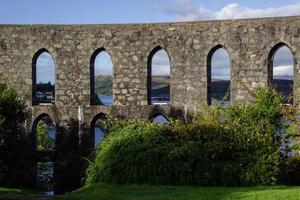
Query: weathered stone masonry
(248, 42)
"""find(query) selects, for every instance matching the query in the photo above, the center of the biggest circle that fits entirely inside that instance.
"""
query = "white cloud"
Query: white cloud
(186, 10)
(283, 56)
(235, 11)
(160, 70)
(283, 64)
(283, 72)
(45, 69)
(160, 64)
(103, 64)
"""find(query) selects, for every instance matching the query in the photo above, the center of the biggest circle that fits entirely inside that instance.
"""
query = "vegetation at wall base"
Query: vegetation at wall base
(236, 145)
(16, 155)
(68, 163)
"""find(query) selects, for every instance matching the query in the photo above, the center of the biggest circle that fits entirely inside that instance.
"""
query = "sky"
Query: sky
(146, 11)
(138, 11)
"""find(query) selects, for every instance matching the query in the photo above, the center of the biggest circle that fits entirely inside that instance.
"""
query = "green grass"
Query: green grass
(147, 192)
(13, 193)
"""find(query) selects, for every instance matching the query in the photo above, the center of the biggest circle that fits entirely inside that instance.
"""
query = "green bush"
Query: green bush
(232, 145)
(16, 156)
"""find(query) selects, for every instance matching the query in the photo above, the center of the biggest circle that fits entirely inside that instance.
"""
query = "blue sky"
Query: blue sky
(146, 11)
(136, 11)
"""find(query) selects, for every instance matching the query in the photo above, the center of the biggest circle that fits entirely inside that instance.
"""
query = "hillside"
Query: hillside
(161, 87)
(283, 86)
(219, 89)
(103, 85)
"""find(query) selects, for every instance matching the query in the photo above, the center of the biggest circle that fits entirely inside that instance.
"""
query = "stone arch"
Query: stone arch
(35, 58)
(149, 71)
(159, 118)
(270, 64)
(209, 69)
(45, 159)
(93, 127)
(271, 55)
(34, 127)
(92, 73)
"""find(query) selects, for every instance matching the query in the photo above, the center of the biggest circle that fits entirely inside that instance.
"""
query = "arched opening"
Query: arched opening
(45, 133)
(101, 69)
(44, 130)
(43, 78)
(281, 71)
(158, 79)
(160, 119)
(98, 129)
(218, 76)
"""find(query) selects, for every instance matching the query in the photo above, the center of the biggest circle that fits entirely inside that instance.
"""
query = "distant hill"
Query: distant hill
(220, 88)
(161, 87)
(103, 85)
(284, 87)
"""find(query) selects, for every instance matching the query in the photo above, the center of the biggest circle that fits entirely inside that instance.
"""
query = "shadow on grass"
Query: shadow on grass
(20, 194)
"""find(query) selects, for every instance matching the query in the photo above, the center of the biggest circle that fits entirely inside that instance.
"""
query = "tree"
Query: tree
(15, 145)
(44, 141)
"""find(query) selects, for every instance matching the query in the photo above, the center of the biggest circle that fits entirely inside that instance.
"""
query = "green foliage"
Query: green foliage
(15, 146)
(223, 145)
(44, 141)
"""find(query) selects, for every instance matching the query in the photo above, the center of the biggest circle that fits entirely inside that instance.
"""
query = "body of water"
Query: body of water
(45, 177)
(99, 135)
(106, 100)
(220, 103)
(160, 100)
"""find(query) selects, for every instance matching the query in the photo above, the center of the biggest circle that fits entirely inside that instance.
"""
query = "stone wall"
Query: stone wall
(248, 42)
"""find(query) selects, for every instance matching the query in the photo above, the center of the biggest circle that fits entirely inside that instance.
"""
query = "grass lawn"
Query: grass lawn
(147, 192)
(19, 194)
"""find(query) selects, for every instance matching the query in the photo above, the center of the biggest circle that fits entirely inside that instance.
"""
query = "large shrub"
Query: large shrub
(15, 146)
(233, 145)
